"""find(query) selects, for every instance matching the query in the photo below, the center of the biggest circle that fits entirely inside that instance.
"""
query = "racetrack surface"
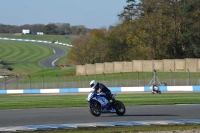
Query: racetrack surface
(58, 53)
(43, 116)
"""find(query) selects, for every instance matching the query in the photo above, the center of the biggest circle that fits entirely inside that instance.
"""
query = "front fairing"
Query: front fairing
(90, 96)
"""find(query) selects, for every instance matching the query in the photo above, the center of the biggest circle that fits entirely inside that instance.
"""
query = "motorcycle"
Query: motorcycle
(99, 104)
(155, 90)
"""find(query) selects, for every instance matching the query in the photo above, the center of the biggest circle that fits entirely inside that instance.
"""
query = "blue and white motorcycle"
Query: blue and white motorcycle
(99, 104)
(155, 89)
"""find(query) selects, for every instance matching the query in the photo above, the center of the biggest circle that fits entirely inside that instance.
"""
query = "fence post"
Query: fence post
(57, 80)
(138, 78)
(170, 77)
(121, 78)
(29, 81)
(17, 81)
(103, 76)
(5, 81)
(72, 80)
(87, 77)
(188, 76)
(154, 78)
(42, 81)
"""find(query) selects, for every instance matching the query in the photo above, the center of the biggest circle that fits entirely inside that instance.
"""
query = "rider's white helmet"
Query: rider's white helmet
(156, 87)
(93, 83)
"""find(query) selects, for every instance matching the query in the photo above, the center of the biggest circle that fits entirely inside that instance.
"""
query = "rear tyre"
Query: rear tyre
(120, 108)
(95, 109)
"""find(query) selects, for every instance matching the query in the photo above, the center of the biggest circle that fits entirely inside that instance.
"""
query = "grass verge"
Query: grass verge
(58, 38)
(23, 57)
(78, 100)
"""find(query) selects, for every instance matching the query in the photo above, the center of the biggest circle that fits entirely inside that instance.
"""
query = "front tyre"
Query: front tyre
(95, 109)
(120, 108)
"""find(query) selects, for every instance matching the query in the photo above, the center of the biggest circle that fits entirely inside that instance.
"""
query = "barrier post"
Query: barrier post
(170, 77)
(72, 80)
(103, 77)
(138, 78)
(17, 81)
(87, 77)
(29, 81)
(188, 76)
(5, 82)
(42, 81)
(121, 78)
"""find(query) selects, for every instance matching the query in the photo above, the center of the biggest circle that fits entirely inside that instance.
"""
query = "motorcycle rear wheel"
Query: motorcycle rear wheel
(95, 109)
(120, 108)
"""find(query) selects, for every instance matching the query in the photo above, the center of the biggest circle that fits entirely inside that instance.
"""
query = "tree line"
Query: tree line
(148, 29)
(51, 28)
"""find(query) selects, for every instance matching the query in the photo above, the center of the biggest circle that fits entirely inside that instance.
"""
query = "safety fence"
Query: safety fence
(110, 80)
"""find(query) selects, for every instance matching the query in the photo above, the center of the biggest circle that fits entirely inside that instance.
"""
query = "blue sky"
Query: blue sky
(90, 13)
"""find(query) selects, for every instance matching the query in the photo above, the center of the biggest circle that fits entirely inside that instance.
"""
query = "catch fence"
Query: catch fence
(110, 80)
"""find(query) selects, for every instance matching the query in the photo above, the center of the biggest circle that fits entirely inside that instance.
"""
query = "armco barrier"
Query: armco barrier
(113, 89)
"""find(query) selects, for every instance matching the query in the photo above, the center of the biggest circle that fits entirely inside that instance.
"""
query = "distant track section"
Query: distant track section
(49, 61)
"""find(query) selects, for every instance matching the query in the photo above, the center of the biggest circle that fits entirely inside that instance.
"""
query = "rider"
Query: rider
(154, 87)
(100, 88)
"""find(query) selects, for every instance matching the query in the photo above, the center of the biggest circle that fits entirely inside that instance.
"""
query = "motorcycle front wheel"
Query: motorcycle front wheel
(120, 108)
(95, 109)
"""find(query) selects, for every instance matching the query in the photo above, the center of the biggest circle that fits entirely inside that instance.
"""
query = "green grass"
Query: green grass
(59, 38)
(23, 57)
(78, 100)
(52, 72)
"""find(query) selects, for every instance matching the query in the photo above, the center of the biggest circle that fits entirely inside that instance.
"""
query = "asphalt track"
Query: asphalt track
(43, 116)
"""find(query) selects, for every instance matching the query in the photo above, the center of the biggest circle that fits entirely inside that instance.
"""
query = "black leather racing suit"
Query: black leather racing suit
(102, 88)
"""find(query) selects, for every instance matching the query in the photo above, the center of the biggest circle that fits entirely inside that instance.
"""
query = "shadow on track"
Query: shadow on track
(113, 115)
